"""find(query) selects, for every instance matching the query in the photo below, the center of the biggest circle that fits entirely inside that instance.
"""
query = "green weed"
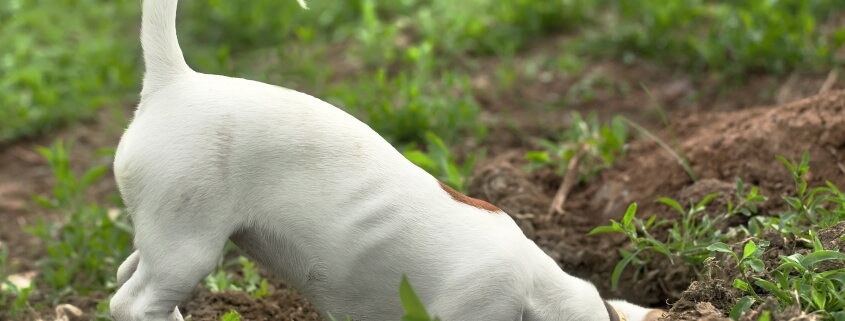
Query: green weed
(595, 144)
(85, 248)
(689, 239)
(19, 297)
(232, 315)
(695, 238)
(61, 60)
(810, 208)
(249, 281)
(20, 304)
(797, 280)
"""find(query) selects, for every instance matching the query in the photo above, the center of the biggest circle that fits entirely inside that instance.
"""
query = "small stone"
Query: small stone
(19, 280)
(68, 312)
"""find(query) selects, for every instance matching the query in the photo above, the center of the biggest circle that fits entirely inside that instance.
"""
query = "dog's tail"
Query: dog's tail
(163, 58)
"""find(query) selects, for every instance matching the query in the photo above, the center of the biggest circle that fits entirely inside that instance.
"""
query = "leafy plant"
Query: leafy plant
(810, 208)
(795, 281)
(599, 145)
(86, 247)
(808, 203)
(820, 291)
(695, 238)
(232, 315)
(8, 290)
(21, 302)
(249, 281)
(689, 239)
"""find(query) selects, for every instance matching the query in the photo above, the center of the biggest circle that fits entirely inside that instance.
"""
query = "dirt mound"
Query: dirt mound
(719, 147)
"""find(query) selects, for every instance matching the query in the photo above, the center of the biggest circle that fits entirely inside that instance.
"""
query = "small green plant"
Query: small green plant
(232, 315)
(103, 313)
(21, 302)
(820, 291)
(85, 248)
(807, 204)
(796, 280)
(9, 291)
(695, 238)
(414, 308)
(249, 281)
(588, 141)
(750, 261)
(689, 239)
(439, 161)
(810, 208)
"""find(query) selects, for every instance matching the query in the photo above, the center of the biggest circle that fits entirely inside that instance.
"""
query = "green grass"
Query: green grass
(735, 37)
(65, 59)
(696, 238)
(248, 281)
(86, 247)
(61, 60)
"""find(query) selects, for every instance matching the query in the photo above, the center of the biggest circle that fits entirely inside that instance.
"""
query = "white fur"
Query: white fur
(314, 195)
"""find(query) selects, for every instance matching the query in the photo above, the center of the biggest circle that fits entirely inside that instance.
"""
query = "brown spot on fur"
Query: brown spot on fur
(477, 203)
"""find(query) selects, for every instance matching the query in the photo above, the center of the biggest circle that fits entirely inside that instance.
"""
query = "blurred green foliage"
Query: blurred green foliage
(735, 36)
(61, 60)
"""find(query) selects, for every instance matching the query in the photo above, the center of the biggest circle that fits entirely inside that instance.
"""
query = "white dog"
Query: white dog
(317, 197)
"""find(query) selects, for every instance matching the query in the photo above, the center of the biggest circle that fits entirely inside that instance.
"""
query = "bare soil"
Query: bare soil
(724, 131)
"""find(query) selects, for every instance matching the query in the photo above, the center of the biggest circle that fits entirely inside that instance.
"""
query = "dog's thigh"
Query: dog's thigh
(174, 253)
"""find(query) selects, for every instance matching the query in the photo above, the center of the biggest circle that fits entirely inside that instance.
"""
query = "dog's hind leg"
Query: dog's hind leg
(174, 252)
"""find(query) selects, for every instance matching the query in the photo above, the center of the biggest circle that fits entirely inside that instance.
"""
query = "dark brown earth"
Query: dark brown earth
(727, 132)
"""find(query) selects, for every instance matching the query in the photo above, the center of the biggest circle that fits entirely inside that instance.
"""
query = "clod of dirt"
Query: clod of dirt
(704, 299)
(700, 311)
(68, 312)
(831, 238)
